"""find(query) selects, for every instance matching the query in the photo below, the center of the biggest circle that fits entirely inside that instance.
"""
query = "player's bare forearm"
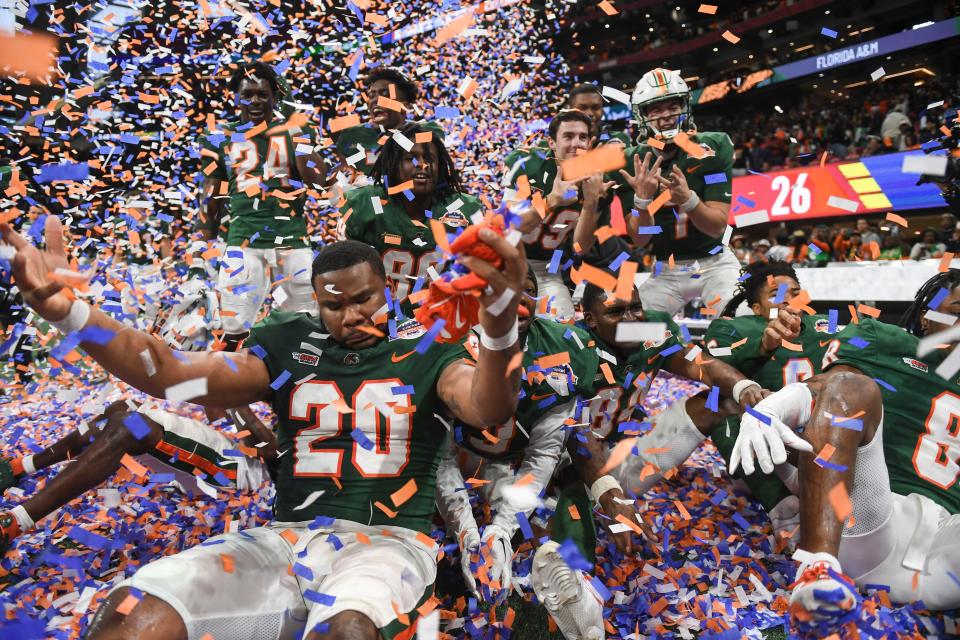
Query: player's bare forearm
(148, 364)
(584, 234)
(530, 220)
(261, 436)
(588, 456)
(711, 217)
(706, 369)
(836, 393)
(634, 222)
(485, 394)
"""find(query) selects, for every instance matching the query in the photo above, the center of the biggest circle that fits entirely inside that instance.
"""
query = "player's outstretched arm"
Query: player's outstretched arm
(714, 372)
(133, 356)
(487, 393)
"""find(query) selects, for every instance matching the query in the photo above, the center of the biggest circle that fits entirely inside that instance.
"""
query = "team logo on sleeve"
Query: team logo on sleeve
(351, 359)
(310, 359)
(916, 364)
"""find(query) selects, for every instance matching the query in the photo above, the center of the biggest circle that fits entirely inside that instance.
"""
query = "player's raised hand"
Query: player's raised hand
(564, 192)
(33, 270)
(613, 504)
(676, 182)
(786, 326)
(595, 188)
(645, 180)
(498, 300)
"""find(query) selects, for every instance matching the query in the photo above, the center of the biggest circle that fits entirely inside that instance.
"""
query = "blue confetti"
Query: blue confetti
(319, 598)
(430, 336)
(830, 33)
(280, 380)
(715, 178)
(136, 425)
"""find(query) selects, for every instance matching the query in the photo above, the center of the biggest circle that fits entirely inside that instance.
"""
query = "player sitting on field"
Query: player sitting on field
(882, 459)
(161, 441)
(349, 550)
(415, 183)
(259, 164)
(682, 185)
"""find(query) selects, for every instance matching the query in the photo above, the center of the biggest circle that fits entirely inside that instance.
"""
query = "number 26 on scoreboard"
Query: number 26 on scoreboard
(796, 193)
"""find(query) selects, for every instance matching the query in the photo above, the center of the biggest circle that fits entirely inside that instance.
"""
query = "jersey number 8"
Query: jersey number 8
(936, 457)
(372, 412)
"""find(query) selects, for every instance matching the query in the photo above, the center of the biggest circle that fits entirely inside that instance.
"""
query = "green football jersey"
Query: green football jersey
(781, 367)
(266, 190)
(772, 372)
(542, 388)
(407, 246)
(361, 144)
(613, 404)
(540, 168)
(921, 410)
(710, 177)
(356, 425)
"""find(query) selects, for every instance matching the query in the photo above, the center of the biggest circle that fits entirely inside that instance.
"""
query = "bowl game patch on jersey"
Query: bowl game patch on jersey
(310, 359)
(408, 330)
(916, 364)
(454, 219)
(651, 344)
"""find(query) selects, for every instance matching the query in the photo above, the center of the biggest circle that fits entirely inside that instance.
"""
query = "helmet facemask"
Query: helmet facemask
(684, 121)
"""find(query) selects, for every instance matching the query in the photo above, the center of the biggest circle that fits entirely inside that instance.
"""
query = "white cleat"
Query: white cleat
(566, 596)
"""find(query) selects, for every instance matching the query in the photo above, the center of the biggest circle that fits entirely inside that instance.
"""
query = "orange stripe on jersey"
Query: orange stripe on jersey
(195, 460)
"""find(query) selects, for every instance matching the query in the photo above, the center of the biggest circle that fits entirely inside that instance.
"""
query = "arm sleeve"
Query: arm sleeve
(453, 503)
(540, 459)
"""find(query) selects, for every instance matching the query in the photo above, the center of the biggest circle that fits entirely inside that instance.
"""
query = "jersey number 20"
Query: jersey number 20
(373, 402)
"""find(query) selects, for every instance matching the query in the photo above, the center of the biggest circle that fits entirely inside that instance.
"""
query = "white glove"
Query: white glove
(469, 548)
(785, 518)
(817, 591)
(766, 441)
(497, 541)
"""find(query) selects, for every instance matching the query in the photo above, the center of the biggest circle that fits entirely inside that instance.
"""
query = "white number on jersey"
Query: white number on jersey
(936, 458)
(244, 160)
(551, 235)
(399, 264)
(373, 403)
(797, 370)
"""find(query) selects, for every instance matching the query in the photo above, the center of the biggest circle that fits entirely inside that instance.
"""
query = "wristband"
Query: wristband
(603, 484)
(75, 320)
(641, 203)
(740, 386)
(503, 342)
(691, 203)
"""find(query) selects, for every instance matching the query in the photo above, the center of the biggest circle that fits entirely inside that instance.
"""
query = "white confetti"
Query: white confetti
(640, 331)
(930, 165)
(754, 217)
(428, 627)
(310, 500)
(377, 204)
(842, 203)
(721, 352)
(500, 304)
(186, 390)
(616, 94)
(941, 318)
(402, 140)
(876, 75)
(534, 59)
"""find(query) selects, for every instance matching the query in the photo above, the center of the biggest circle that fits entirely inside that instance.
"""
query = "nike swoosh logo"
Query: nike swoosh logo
(823, 344)
(540, 397)
(692, 169)
(395, 358)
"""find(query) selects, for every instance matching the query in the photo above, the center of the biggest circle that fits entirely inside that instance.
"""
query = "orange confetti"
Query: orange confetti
(289, 536)
(625, 281)
(363, 538)
(526, 479)
(658, 202)
(29, 54)
(867, 310)
(344, 122)
(404, 493)
(827, 452)
(608, 8)
(709, 9)
(595, 276)
(574, 514)
(786, 344)
(656, 144)
(128, 604)
(553, 360)
(226, 560)
(133, 465)
(607, 373)
(423, 539)
(900, 220)
(945, 262)
(730, 37)
(604, 158)
(618, 454)
(684, 514)
(423, 137)
(840, 501)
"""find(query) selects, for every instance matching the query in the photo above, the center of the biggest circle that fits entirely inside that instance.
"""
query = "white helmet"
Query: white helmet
(656, 86)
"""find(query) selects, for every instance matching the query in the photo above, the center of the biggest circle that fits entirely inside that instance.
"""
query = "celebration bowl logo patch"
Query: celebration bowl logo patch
(454, 219)
(310, 359)
(408, 330)
(822, 326)
(650, 344)
(916, 364)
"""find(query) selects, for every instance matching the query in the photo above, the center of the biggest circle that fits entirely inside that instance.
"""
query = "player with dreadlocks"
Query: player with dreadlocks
(256, 165)
(413, 185)
(886, 404)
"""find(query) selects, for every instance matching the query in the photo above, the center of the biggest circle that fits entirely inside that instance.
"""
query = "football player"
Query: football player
(693, 170)
(349, 549)
(161, 441)
(588, 98)
(581, 205)
(891, 467)
(260, 166)
(532, 441)
(615, 412)
(414, 183)
(391, 99)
